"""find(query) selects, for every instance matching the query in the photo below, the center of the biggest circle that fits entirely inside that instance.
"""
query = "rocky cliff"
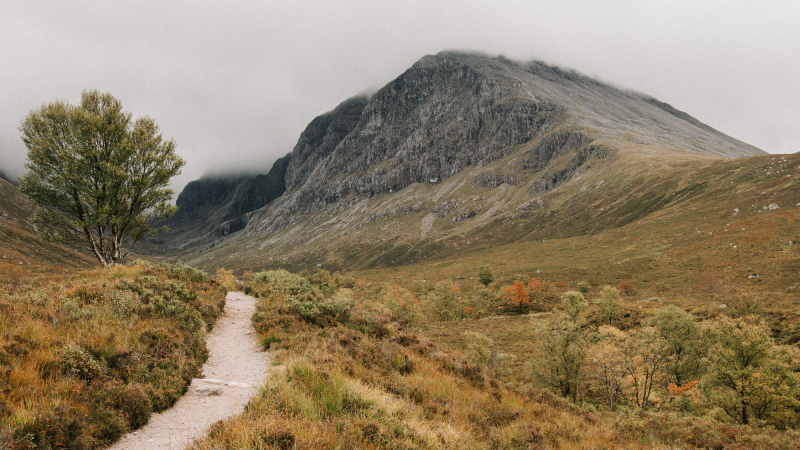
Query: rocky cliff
(214, 207)
(515, 132)
(454, 110)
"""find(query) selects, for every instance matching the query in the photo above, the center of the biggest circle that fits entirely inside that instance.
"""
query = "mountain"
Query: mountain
(460, 145)
(214, 207)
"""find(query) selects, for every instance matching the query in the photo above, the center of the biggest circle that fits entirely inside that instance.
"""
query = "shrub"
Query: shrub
(479, 348)
(129, 399)
(584, 287)
(76, 361)
(626, 287)
(314, 308)
(278, 285)
(485, 275)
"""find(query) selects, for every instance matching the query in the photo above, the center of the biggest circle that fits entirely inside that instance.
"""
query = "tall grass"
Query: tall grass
(87, 358)
(361, 380)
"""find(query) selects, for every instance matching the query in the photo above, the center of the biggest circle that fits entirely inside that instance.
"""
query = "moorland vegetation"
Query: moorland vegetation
(88, 356)
(354, 370)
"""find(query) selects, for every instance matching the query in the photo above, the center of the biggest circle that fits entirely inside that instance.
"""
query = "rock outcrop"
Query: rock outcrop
(527, 127)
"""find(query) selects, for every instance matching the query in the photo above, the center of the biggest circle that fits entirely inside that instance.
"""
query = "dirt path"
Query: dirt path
(236, 366)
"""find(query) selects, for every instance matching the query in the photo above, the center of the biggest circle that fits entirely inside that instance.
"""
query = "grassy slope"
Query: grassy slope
(359, 380)
(85, 358)
(665, 224)
(20, 247)
(665, 232)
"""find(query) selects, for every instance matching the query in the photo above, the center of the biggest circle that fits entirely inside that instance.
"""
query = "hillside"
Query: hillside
(19, 245)
(459, 147)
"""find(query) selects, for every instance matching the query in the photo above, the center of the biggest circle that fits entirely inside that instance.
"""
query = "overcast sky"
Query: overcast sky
(234, 83)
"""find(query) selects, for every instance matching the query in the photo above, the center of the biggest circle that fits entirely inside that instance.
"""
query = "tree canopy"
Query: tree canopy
(97, 176)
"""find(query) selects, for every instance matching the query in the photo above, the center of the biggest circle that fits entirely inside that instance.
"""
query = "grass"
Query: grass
(367, 382)
(664, 224)
(86, 358)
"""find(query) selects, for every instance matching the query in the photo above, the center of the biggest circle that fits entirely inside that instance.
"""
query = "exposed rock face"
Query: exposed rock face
(522, 126)
(199, 198)
(249, 195)
(320, 139)
(211, 208)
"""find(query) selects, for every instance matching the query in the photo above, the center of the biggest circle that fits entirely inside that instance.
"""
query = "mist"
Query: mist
(234, 86)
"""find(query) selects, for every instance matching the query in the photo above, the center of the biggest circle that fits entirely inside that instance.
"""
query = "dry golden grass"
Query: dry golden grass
(88, 357)
(367, 382)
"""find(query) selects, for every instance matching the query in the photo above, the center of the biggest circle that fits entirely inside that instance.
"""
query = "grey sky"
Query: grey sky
(235, 83)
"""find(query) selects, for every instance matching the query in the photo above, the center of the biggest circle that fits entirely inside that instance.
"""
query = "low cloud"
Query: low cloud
(235, 86)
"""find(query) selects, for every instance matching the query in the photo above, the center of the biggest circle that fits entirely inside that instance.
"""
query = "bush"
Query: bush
(584, 287)
(314, 308)
(485, 275)
(278, 285)
(129, 399)
(626, 287)
(76, 361)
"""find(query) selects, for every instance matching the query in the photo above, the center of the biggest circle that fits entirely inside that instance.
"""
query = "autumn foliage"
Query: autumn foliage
(518, 296)
(626, 287)
(534, 285)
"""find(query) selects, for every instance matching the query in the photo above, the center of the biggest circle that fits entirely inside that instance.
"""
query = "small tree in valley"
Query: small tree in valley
(485, 275)
(644, 356)
(534, 285)
(749, 377)
(573, 304)
(626, 287)
(560, 355)
(606, 364)
(610, 303)
(518, 296)
(684, 344)
(226, 279)
(97, 176)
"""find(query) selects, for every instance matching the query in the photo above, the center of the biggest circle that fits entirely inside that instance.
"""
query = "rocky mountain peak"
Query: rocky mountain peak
(523, 128)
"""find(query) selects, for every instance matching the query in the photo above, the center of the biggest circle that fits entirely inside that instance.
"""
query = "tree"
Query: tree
(645, 358)
(518, 296)
(485, 275)
(626, 287)
(573, 303)
(97, 176)
(684, 344)
(445, 302)
(610, 303)
(749, 377)
(606, 364)
(534, 285)
(559, 360)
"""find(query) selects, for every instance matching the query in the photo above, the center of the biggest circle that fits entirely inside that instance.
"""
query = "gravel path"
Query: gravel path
(236, 366)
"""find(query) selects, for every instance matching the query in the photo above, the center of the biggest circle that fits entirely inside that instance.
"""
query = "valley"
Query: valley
(417, 257)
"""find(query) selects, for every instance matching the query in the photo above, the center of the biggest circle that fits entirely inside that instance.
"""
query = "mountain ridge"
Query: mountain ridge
(524, 128)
